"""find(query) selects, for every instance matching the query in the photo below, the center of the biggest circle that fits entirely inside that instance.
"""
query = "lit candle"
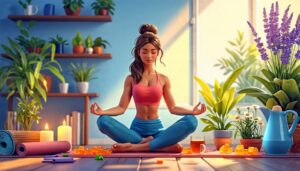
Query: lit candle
(46, 134)
(64, 133)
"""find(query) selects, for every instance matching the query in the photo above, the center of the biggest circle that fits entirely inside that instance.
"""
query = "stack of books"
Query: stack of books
(76, 121)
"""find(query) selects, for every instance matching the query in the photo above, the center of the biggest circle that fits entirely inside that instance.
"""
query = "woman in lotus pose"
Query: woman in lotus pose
(147, 86)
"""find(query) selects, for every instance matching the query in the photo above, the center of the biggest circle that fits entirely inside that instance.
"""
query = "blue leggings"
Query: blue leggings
(143, 128)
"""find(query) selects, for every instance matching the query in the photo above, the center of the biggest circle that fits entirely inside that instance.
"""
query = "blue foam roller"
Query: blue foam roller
(7, 144)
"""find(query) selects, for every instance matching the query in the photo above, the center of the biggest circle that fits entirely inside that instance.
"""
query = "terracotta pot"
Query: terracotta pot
(221, 141)
(97, 50)
(251, 143)
(296, 140)
(35, 50)
(103, 11)
(68, 11)
(78, 49)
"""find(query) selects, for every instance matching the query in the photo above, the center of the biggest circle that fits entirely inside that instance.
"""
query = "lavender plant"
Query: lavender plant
(280, 54)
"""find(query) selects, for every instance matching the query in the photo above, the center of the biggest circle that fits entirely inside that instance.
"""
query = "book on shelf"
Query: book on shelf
(76, 128)
(12, 121)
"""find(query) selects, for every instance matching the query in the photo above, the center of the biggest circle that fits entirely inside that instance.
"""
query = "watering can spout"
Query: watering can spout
(265, 111)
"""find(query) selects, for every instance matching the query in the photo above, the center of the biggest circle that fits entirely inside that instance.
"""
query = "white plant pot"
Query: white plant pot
(63, 88)
(89, 50)
(82, 87)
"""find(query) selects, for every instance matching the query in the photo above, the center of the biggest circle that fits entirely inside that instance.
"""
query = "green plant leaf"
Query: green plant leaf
(231, 79)
(282, 98)
(269, 85)
(291, 88)
(271, 102)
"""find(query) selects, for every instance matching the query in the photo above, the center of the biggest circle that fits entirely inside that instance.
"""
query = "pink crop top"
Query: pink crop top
(147, 95)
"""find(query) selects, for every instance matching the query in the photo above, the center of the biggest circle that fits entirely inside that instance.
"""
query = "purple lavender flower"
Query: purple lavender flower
(280, 40)
(259, 44)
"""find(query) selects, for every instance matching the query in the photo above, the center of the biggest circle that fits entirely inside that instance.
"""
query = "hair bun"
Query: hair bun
(148, 28)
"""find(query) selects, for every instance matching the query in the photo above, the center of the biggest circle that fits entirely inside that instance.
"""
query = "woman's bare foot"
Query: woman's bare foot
(128, 147)
(147, 139)
(176, 148)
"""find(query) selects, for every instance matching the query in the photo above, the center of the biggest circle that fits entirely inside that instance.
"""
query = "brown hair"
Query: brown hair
(148, 35)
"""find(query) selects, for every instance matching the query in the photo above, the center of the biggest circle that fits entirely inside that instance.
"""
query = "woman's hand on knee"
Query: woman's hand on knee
(96, 109)
(197, 111)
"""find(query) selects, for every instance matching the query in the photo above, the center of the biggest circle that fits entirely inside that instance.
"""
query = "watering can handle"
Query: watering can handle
(295, 122)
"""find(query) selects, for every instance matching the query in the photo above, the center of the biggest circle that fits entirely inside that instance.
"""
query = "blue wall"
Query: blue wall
(121, 33)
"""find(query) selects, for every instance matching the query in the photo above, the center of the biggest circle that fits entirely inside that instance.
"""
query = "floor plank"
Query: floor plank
(151, 164)
(191, 164)
(89, 164)
(229, 164)
(23, 164)
(124, 164)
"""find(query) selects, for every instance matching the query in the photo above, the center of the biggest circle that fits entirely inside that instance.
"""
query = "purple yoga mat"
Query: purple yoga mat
(42, 148)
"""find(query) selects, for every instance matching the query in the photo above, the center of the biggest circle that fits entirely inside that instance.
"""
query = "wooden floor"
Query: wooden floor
(143, 164)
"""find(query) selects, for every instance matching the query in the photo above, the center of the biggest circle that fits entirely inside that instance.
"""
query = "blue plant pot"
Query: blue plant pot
(60, 48)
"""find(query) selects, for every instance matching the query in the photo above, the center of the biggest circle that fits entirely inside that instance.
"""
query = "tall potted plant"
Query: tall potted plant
(25, 78)
(103, 7)
(219, 104)
(82, 74)
(281, 65)
(73, 7)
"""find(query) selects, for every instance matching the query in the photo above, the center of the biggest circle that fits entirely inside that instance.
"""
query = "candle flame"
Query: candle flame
(46, 126)
(64, 123)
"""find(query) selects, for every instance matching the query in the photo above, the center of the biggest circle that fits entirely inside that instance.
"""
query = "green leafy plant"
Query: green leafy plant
(248, 125)
(103, 4)
(73, 4)
(82, 72)
(24, 76)
(24, 4)
(58, 40)
(101, 42)
(77, 40)
(88, 43)
(220, 103)
(241, 54)
(28, 111)
(25, 39)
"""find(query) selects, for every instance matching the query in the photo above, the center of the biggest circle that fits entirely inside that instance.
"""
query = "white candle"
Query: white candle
(46, 134)
(64, 133)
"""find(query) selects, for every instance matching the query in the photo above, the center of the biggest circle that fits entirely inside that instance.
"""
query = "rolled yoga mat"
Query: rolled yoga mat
(42, 148)
(7, 144)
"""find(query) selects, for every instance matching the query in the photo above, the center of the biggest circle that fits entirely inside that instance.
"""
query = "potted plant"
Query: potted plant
(24, 73)
(63, 87)
(103, 7)
(72, 7)
(29, 9)
(281, 66)
(77, 42)
(250, 127)
(219, 104)
(30, 43)
(59, 42)
(88, 43)
(82, 74)
(99, 45)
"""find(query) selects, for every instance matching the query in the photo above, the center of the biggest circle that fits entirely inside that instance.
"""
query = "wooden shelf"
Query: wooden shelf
(63, 18)
(71, 55)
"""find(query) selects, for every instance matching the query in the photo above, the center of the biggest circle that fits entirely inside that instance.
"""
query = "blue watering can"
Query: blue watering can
(278, 138)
